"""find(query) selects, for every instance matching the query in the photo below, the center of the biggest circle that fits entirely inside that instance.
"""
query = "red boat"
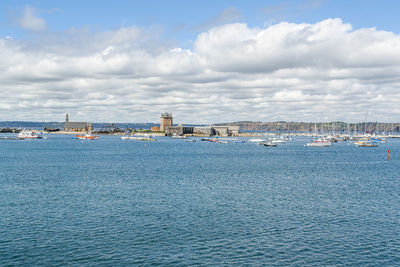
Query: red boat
(87, 136)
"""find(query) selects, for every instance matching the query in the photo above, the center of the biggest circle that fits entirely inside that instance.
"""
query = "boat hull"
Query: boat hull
(318, 144)
(84, 137)
(270, 144)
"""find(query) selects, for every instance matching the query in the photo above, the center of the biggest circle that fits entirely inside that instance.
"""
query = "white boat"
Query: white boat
(24, 134)
(146, 137)
(128, 137)
(175, 136)
(256, 140)
(319, 143)
(278, 140)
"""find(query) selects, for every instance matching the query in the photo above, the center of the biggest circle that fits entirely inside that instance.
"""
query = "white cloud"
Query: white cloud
(286, 71)
(30, 20)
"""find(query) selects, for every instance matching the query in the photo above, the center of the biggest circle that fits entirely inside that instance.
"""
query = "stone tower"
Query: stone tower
(66, 118)
(166, 121)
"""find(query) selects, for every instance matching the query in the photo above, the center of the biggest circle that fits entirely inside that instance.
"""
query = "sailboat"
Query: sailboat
(320, 142)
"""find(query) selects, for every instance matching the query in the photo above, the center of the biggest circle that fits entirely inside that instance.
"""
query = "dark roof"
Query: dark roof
(77, 125)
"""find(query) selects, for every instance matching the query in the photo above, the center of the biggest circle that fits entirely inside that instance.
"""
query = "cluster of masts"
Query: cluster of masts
(353, 128)
(318, 140)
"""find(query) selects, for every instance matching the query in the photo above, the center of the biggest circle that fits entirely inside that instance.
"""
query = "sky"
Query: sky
(203, 61)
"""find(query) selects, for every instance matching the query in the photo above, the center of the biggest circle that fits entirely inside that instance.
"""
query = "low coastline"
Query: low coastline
(242, 134)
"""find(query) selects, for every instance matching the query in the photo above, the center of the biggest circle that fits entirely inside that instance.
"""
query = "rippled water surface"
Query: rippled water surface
(112, 202)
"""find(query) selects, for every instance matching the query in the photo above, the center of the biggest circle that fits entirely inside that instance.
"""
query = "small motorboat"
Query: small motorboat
(24, 134)
(270, 144)
(366, 144)
(278, 141)
(175, 136)
(256, 140)
(87, 136)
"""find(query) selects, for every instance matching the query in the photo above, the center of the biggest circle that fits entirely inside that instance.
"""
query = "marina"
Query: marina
(126, 193)
(221, 181)
(200, 133)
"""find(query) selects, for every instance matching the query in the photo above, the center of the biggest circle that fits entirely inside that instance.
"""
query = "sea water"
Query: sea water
(113, 202)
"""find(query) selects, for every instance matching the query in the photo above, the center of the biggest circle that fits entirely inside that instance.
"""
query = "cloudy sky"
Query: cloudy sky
(205, 62)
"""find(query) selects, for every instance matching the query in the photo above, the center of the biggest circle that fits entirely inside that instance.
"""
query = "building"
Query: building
(233, 130)
(77, 126)
(226, 130)
(204, 130)
(179, 130)
(221, 130)
(166, 121)
(155, 129)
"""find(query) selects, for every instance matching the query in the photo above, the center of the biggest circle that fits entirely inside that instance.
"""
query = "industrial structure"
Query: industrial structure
(204, 130)
(77, 126)
(179, 130)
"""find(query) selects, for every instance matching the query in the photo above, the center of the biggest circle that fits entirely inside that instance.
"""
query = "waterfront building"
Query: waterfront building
(155, 129)
(228, 130)
(77, 126)
(204, 130)
(179, 130)
(166, 121)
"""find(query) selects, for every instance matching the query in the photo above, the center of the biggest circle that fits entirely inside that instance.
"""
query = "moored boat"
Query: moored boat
(257, 140)
(87, 136)
(277, 140)
(270, 144)
(319, 143)
(175, 136)
(366, 144)
(24, 134)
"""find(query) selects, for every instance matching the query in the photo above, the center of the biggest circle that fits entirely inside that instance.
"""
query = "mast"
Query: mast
(315, 129)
